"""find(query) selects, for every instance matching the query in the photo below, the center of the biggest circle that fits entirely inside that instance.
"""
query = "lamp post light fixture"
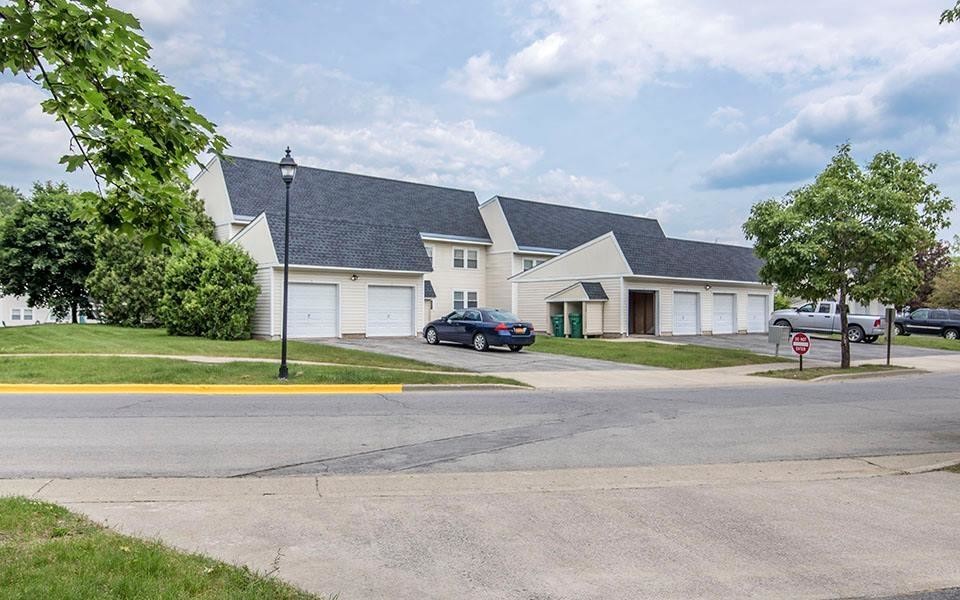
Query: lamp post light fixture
(288, 170)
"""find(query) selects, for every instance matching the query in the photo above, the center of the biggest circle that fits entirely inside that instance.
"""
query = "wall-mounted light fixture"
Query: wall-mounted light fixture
(354, 277)
(707, 287)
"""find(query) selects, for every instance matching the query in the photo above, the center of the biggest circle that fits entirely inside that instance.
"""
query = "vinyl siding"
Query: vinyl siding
(262, 327)
(8, 303)
(212, 189)
(257, 241)
(600, 257)
(666, 288)
(353, 294)
(499, 269)
(497, 227)
(532, 304)
(446, 279)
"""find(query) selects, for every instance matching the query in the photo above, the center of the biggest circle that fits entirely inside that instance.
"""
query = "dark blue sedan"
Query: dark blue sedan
(481, 328)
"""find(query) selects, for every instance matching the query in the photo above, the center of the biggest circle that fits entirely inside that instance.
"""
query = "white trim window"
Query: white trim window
(14, 314)
(529, 263)
(429, 250)
(28, 314)
(465, 259)
(464, 299)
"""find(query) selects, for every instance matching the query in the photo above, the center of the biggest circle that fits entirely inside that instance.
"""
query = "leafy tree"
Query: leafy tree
(951, 14)
(45, 253)
(129, 127)
(946, 288)
(9, 198)
(127, 283)
(852, 233)
(209, 291)
(781, 301)
(931, 261)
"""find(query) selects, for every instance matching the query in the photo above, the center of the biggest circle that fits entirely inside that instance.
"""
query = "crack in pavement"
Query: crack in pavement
(405, 457)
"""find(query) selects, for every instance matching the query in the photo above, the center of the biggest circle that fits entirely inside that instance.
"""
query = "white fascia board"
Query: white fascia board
(702, 280)
(439, 237)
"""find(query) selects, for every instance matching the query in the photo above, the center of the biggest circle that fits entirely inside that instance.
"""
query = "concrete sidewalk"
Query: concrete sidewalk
(795, 529)
(705, 378)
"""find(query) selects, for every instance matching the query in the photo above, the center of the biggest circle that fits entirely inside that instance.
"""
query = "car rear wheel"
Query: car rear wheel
(432, 337)
(480, 343)
(899, 329)
(783, 323)
(951, 334)
(855, 333)
(515, 348)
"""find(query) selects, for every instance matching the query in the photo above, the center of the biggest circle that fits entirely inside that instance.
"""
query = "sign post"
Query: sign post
(891, 317)
(801, 345)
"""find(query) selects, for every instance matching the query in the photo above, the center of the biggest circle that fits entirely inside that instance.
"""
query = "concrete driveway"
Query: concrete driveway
(495, 360)
(821, 349)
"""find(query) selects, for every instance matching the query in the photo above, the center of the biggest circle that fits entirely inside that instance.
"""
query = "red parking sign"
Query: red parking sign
(800, 343)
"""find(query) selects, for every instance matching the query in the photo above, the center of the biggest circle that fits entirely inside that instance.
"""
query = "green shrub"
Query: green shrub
(127, 281)
(209, 291)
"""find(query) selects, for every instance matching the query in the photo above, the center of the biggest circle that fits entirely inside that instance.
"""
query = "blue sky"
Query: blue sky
(686, 110)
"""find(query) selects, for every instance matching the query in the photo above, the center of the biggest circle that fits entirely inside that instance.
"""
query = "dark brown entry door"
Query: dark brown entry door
(642, 313)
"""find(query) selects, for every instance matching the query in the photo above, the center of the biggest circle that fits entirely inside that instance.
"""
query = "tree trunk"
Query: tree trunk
(844, 340)
(73, 313)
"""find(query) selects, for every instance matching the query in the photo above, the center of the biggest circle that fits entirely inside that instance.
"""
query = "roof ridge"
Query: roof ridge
(684, 240)
(378, 177)
(593, 210)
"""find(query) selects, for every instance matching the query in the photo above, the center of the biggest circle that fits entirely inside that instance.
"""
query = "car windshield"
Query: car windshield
(502, 316)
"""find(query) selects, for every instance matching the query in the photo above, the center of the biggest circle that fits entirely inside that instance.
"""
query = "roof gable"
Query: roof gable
(254, 186)
(581, 291)
(351, 245)
(556, 227)
(669, 257)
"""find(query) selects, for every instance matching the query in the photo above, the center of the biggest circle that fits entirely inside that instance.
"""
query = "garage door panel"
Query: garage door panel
(389, 311)
(685, 308)
(758, 313)
(312, 310)
(724, 313)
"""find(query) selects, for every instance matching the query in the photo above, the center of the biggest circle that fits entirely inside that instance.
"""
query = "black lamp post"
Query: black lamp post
(288, 170)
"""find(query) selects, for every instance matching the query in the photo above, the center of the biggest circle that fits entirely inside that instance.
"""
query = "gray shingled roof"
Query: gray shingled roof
(349, 244)
(428, 289)
(668, 257)
(594, 290)
(552, 226)
(254, 186)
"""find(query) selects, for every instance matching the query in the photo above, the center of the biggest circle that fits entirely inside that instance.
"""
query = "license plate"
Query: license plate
(520, 330)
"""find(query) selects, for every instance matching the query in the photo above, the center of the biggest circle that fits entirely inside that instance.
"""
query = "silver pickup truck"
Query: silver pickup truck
(823, 317)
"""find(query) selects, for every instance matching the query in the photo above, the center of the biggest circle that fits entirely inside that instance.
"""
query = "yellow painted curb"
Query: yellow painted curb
(212, 389)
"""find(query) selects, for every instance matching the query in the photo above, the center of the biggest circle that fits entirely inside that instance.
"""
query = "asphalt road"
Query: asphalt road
(118, 436)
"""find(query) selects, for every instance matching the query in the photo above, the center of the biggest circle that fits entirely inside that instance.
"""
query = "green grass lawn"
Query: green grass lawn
(93, 339)
(815, 372)
(934, 342)
(683, 356)
(48, 552)
(96, 369)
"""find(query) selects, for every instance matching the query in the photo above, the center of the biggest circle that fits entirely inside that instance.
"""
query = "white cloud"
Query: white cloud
(728, 119)
(616, 46)
(159, 13)
(28, 137)
(458, 154)
(912, 104)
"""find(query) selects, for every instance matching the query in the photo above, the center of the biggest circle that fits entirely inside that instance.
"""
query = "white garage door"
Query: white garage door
(389, 310)
(685, 306)
(312, 311)
(724, 313)
(757, 313)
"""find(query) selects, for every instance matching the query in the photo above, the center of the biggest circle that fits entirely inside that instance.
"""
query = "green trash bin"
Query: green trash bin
(576, 326)
(557, 322)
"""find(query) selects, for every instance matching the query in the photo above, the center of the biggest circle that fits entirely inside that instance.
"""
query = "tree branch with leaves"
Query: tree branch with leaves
(129, 128)
(851, 234)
